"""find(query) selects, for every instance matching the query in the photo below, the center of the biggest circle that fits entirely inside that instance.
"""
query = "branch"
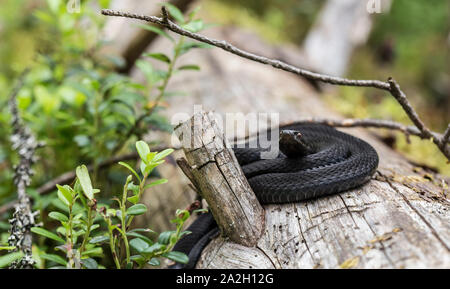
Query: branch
(390, 85)
(368, 122)
(261, 59)
(25, 144)
(352, 122)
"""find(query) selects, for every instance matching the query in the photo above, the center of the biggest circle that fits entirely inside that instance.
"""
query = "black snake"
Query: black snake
(314, 160)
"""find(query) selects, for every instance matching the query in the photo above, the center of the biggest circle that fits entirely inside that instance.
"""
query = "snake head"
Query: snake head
(292, 144)
(290, 135)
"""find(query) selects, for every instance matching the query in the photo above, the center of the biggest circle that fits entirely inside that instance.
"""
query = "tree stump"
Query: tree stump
(218, 177)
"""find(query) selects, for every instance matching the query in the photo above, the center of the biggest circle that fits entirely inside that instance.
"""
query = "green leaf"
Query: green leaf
(143, 150)
(65, 194)
(138, 244)
(61, 230)
(138, 259)
(189, 45)
(48, 234)
(184, 215)
(137, 209)
(145, 67)
(141, 230)
(9, 258)
(162, 154)
(82, 140)
(143, 167)
(131, 169)
(58, 216)
(98, 251)
(189, 67)
(153, 248)
(200, 211)
(177, 257)
(151, 156)
(54, 258)
(7, 247)
(154, 262)
(149, 168)
(142, 237)
(134, 188)
(95, 226)
(158, 182)
(184, 233)
(134, 199)
(174, 12)
(194, 12)
(194, 26)
(155, 30)
(90, 263)
(63, 199)
(111, 212)
(99, 239)
(85, 181)
(164, 237)
(54, 5)
(159, 56)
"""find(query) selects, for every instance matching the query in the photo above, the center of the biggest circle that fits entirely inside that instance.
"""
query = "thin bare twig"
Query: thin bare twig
(390, 85)
(24, 142)
(366, 122)
(261, 59)
(354, 122)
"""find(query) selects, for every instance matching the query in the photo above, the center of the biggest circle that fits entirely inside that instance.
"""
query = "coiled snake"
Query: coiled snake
(315, 160)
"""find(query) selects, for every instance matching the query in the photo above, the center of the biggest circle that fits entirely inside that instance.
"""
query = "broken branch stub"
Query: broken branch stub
(220, 179)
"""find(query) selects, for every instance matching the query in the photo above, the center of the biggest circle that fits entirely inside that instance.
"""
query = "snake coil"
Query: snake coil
(314, 161)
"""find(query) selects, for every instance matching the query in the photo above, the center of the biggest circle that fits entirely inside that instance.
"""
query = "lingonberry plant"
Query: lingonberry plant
(76, 102)
(85, 225)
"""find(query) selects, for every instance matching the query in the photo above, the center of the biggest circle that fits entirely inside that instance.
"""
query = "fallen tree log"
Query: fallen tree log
(399, 220)
(383, 224)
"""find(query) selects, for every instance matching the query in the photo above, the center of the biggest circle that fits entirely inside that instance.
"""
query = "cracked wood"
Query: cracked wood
(219, 179)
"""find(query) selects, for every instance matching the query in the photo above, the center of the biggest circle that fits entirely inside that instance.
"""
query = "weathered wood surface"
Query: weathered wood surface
(399, 220)
(220, 180)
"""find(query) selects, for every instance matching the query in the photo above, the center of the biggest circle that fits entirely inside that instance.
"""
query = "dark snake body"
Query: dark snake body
(321, 161)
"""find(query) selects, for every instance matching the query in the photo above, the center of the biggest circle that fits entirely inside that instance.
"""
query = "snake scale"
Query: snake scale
(314, 161)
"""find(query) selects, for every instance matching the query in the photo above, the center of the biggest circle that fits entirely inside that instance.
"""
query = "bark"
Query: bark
(219, 179)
